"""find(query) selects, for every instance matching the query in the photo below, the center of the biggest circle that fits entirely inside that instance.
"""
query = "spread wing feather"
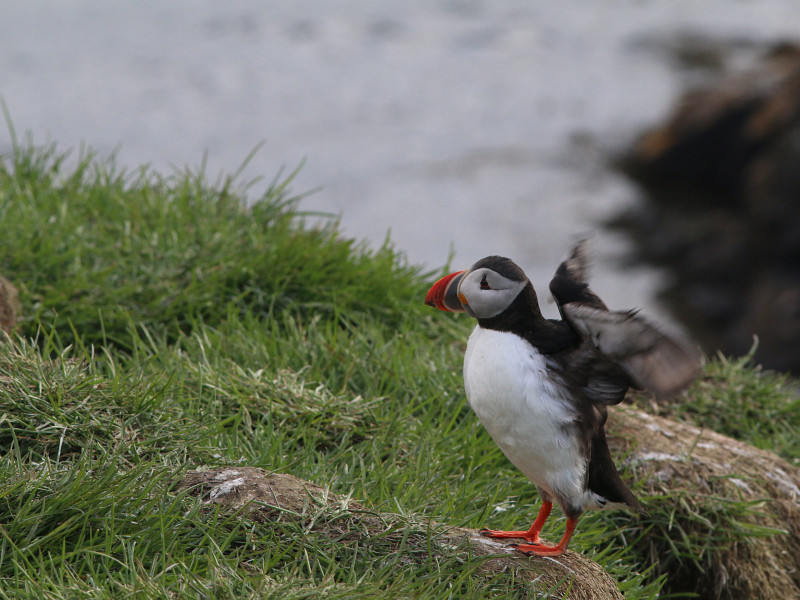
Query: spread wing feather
(664, 365)
(653, 360)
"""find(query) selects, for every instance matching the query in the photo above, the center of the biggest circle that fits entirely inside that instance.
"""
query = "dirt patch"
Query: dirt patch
(9, 305)
(267, 497)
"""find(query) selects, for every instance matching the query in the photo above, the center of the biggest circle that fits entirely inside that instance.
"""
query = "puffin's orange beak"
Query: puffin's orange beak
(444, 293)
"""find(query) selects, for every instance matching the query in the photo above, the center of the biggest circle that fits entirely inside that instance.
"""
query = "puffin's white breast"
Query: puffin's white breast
(526, 415)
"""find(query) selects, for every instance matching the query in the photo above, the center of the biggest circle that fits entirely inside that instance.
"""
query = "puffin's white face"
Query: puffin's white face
(485, 293)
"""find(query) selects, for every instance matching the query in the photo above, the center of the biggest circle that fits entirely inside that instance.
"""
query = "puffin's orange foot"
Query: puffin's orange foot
(539, 549)
(531, 538)
(542, 550)
(532, 535)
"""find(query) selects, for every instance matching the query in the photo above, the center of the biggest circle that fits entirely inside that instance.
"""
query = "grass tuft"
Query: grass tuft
(58, 408)
(94, 249)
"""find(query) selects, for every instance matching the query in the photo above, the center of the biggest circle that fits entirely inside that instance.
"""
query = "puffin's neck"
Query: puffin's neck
(524, 318)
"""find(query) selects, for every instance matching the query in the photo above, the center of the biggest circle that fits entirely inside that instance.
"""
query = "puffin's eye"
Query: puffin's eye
(485, 284)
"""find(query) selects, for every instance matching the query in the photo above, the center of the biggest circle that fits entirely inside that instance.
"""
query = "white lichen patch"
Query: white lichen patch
(741, 484)
(784, 482)
(225, 488)
(659, 456)
(655, 428)
(226, 474)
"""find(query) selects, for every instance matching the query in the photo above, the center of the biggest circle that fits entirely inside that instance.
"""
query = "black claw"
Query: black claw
(516, 547)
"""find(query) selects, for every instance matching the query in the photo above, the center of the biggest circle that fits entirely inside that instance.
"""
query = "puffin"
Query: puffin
(541, 387)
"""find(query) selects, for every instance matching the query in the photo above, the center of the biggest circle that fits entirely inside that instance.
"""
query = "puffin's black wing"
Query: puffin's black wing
(602, 381)
(654, 361)
(570, 283)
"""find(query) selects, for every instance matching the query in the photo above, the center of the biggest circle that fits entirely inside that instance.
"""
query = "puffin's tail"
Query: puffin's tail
(604, 479)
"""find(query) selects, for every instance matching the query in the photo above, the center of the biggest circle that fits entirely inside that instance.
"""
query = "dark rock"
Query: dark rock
(774, 312)
(723, 181)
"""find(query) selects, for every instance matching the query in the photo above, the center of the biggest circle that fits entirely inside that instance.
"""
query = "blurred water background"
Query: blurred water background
(468, 126)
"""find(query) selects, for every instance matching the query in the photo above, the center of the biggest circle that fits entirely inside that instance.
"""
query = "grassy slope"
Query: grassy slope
(168, 327)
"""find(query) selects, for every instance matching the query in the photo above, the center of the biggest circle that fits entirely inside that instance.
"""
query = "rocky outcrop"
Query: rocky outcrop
(723, 181)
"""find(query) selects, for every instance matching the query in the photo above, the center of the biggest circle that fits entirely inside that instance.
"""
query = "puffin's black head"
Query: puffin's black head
(484, 290)
(502, 266)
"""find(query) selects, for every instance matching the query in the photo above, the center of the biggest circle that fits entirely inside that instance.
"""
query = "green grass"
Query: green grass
(169, 326)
